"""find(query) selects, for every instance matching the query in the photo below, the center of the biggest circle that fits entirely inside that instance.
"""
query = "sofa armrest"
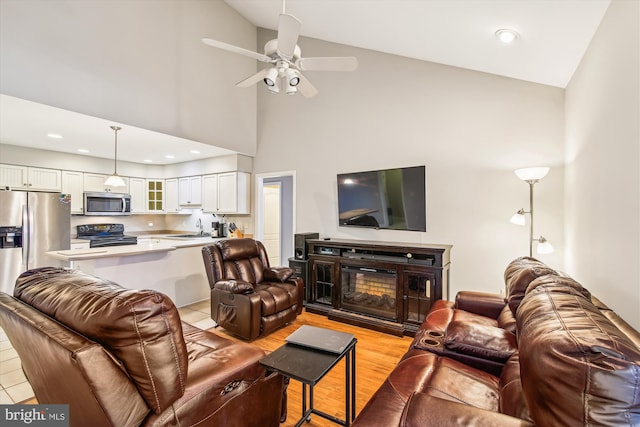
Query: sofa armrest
(426, 410)
(482, 303)
(277, 274)
(234, 286)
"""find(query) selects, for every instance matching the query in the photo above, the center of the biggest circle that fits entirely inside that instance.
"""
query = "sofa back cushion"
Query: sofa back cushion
(512, 401)
(141, 328)
(517, 277)
(243, 259)
(66, 367)
(577, 368)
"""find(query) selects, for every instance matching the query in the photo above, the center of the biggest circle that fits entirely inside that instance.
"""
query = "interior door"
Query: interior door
(271, 232)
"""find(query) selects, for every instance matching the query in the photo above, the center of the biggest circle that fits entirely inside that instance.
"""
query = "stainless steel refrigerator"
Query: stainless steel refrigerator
(30, 225)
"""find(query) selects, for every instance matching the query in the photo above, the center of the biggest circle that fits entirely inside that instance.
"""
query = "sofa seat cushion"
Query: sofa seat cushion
(219, 371)
(452, 380)
(425, 410)
(426, 372)
(141, 328)
(479, 340)
(276, 297)
(576, 365)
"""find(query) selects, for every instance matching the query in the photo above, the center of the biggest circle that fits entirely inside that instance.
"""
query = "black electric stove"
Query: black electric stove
(102, 235)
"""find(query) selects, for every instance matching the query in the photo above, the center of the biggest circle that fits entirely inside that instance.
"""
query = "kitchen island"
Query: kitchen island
(163, 263)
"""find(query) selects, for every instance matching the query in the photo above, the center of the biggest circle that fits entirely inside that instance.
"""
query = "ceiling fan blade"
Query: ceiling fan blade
(288, 32)
(305, 87)
(236, 49)
(253, 79)
(340, 63)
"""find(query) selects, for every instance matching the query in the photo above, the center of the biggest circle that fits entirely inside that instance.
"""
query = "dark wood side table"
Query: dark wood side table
(309, 366)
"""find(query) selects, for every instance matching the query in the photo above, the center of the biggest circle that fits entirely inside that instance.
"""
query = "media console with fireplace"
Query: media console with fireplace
(384, 286)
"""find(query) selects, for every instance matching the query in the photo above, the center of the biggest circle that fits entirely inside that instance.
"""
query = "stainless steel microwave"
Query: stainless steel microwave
(107, 204)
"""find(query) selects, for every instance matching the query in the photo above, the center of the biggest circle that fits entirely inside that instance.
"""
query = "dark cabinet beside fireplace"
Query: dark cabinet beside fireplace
(384, 286)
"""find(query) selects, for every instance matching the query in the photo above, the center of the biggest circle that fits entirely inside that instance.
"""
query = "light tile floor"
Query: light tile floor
(14, 387)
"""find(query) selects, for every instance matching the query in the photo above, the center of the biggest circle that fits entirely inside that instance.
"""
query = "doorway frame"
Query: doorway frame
(259, 218)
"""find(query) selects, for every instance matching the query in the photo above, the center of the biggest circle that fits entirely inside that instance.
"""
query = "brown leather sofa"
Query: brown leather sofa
(568, 360)
(122, 357)
(248, 297)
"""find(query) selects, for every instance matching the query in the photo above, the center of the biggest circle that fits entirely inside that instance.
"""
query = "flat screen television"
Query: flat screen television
(384, 199)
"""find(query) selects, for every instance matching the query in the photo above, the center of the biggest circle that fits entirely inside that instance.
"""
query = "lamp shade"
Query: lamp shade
(528, 174)
(518, 218)
(115, 181)
(544, 247)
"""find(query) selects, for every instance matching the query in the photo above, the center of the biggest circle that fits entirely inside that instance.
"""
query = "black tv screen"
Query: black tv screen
(386, 199)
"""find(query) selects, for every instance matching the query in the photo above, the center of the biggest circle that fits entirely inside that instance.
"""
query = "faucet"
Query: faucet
(200, 226)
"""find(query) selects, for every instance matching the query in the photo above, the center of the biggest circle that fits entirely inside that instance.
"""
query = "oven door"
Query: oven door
(107, 204)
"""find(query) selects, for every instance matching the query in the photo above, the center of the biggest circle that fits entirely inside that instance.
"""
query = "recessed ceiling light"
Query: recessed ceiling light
(194, 152)
(54, 135)
(82, 150)
(506, 35)
(169, 156)
(148, 161)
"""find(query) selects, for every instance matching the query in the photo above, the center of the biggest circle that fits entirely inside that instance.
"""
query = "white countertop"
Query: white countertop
(146, 245)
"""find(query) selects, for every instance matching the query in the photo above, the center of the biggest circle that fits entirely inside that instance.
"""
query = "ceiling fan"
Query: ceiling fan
(286, 57)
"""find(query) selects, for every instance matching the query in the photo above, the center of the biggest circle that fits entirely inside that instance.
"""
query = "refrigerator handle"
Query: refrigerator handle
(26, 236)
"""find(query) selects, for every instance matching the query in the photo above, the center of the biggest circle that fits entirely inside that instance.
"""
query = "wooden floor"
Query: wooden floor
(376, 356)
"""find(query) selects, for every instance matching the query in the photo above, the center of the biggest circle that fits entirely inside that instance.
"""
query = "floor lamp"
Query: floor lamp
(532, 176)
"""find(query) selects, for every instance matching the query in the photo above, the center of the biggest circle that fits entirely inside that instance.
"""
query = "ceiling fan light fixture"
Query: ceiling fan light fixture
(271, 79)
(293, 79)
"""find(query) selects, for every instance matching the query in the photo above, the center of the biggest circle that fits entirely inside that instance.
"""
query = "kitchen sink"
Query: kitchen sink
(190, 236)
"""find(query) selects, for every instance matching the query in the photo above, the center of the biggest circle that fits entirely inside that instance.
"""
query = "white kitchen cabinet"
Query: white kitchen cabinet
(73, 183)
(210, 193)
(155, 195)
(138, 191)
(226, 193)
(190, 191)
(29, 178)
(171, 190)
(95, 182)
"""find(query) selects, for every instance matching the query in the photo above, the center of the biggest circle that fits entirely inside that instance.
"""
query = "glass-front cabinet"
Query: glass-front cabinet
(419, 293)
(155, 195)
(323, 282)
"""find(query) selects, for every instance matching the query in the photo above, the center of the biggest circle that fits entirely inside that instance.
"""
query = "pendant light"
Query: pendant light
(115, 180)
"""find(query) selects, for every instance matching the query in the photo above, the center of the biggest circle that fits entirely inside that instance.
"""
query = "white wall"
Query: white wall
(139, 63)
(603, 163)
(470, 129)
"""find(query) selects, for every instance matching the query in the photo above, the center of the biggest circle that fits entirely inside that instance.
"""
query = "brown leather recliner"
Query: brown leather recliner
(122, 357)
(248, 297)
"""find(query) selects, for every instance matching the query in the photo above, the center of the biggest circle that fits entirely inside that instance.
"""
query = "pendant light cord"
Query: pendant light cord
(115, 156)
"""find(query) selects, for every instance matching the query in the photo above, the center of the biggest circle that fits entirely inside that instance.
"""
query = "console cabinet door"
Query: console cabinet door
(324, 277)
(419, 293)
